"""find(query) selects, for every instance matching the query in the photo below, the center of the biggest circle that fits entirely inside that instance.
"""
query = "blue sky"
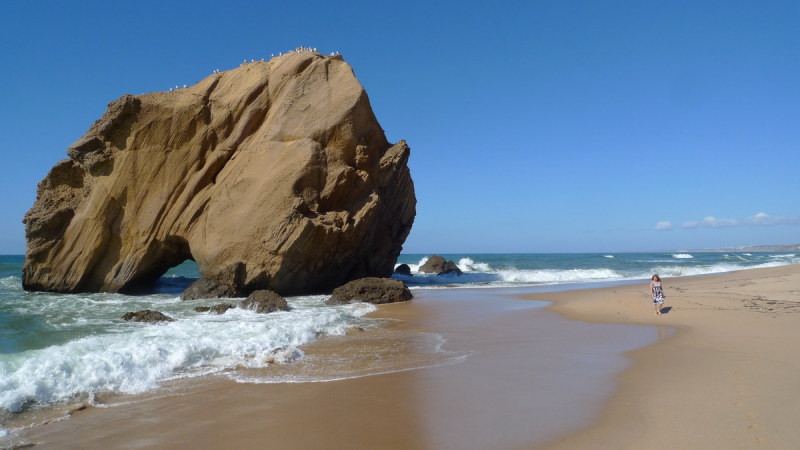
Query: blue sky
(551, 126)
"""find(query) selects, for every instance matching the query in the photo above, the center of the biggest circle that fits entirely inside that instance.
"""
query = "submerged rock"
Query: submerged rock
(275, 175)
(371, 290)
(146, 315)
(403, 269)
(264, 301)
(216, 309)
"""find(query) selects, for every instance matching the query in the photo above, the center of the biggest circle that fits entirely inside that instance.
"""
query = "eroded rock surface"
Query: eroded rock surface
(275, 175)
(371, 290)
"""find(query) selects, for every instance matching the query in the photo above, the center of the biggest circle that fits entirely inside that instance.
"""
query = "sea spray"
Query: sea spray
(508, 270)
(133, 358)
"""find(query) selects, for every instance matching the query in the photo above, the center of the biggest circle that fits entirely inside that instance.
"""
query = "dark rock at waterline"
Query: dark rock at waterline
(371, 290)
(403, 269)
(439, 266)
(451, 269)
(434, 264)
(216, 309)
(146, 315)
(205, 288)
(264, 301)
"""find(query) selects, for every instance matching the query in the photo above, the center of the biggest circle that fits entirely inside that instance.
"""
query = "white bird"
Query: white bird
(170, 89)
(184, 85)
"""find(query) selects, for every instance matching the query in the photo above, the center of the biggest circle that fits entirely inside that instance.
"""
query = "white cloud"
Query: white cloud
(760, 219)
(664, 226)
(765, 219)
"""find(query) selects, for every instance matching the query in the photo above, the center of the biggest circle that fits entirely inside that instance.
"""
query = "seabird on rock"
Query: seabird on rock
(184, 85)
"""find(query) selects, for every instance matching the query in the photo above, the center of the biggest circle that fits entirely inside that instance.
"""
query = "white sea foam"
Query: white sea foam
(415, 267)
(468, 265)
(608, 256)
(682, 271)
(513, 277)
(682, 256)
(134, 358)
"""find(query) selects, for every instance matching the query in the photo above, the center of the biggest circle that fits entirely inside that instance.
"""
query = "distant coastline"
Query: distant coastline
(754, 248)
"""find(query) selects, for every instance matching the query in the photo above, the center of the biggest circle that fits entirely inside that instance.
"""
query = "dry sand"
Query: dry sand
(729, 378)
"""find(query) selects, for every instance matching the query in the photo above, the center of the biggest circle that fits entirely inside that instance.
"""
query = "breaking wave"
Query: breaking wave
(133, 358)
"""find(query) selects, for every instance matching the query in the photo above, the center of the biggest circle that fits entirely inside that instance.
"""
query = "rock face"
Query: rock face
(264, 301)
(371, 290)
(146, 315)
(275, 175)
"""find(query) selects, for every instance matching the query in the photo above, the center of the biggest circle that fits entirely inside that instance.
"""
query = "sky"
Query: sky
(540, 126)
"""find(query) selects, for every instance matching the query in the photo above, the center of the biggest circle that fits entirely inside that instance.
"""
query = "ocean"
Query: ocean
(62, 349)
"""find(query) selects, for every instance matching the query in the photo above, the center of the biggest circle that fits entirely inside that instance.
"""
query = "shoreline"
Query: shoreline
(440, 407)
(727, 379)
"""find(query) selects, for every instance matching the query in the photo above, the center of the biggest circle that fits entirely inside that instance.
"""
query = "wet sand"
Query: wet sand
(729, 379)
(529, 378)
(512, 375)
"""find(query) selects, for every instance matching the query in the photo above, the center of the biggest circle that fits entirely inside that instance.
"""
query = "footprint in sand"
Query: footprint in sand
(738, 404)
(742, 394)
(763, 441)
(752, 427)
(752, 415)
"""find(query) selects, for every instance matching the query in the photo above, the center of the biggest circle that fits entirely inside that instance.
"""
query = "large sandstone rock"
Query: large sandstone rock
(371, 290)
(275, 175)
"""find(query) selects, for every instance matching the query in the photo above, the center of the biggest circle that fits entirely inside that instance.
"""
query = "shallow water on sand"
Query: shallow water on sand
(494, 372)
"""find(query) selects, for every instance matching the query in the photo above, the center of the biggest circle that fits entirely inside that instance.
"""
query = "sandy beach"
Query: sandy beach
(717, 370)
(727, 380)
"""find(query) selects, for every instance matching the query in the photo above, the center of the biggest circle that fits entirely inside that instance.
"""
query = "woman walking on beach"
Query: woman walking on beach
(656, 293)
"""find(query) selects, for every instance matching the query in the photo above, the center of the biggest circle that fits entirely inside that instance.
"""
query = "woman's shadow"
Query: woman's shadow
(666, 309)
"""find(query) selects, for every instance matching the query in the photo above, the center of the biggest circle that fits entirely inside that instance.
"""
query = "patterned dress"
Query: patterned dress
(658, 293)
